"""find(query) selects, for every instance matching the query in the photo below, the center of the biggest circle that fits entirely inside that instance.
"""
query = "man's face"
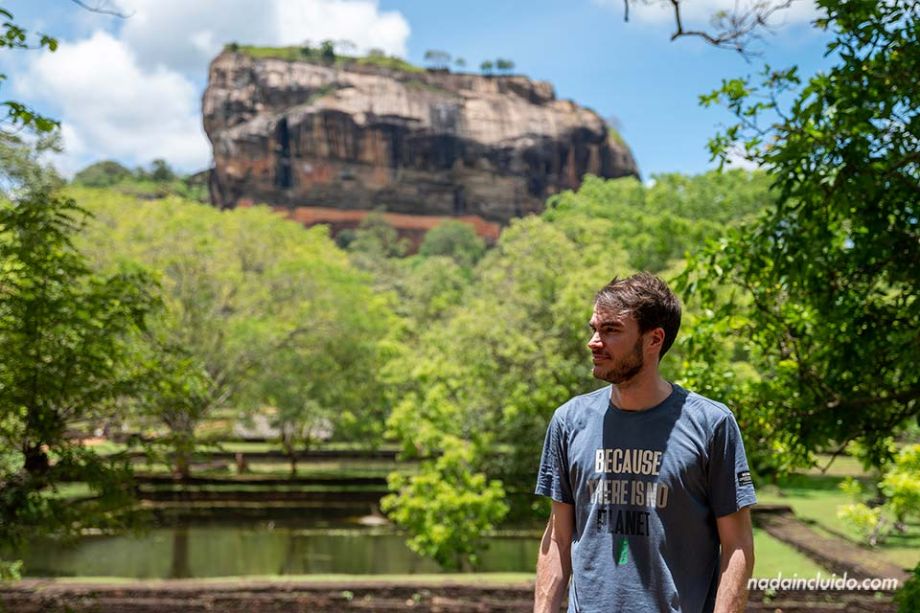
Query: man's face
(616, 345)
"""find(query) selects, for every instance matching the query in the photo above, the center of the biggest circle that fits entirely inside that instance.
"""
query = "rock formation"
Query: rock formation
(359, 137)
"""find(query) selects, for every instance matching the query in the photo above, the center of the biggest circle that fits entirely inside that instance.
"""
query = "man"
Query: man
(649, 482)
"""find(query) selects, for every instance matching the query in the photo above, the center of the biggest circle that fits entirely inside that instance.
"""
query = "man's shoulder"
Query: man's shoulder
(578, 405)
(700, 407)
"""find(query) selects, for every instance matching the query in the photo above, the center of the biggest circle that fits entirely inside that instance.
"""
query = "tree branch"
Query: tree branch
(731, 30)
(100, 8)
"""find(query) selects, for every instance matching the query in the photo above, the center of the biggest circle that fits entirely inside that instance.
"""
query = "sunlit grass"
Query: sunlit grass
(815, 498)
(772, 556)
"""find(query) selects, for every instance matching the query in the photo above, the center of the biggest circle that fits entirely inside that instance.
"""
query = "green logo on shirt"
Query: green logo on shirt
(622, 552)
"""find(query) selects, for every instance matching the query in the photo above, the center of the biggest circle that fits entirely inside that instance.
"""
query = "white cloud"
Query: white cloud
(697, 13)
(185, 35)
(135, 94)
(110, 107)
(358, 22)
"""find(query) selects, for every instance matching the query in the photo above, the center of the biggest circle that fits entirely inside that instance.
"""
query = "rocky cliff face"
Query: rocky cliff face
(358, 137)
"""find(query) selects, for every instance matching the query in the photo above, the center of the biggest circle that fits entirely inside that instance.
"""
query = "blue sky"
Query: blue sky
(129, 89)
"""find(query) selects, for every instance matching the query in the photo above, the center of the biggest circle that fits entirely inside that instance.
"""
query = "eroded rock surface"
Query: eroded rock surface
(356, 137)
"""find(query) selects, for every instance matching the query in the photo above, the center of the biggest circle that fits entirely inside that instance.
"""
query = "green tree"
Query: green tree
(504, 66)
(160, 171)
(428, 290)
(823, 295)
(908, 597)
(102, 174)
(327, 51)
(899, 490)
(656, 225)
(258, 312)
(20, 166)
(437, 59)
(447, 506)
(69, 339)
(14, 36)
(376, 247)
(486, 67)
(455, 240)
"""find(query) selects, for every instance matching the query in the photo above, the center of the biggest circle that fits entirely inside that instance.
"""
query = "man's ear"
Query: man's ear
(656, 338)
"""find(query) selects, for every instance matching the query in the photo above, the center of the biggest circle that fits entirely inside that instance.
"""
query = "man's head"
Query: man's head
(635, 320)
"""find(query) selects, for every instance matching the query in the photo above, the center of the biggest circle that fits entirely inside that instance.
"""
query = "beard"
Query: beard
(625, 369)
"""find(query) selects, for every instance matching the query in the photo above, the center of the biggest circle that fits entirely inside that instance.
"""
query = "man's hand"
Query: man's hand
(737, 539)
(554, 562)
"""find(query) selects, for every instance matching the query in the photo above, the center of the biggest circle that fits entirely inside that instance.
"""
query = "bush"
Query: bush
(908, 597)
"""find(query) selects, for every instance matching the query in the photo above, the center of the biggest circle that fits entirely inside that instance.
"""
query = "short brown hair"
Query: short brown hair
(650, 301)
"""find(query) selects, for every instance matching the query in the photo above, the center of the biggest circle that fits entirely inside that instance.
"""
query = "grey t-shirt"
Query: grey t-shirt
(647, 487)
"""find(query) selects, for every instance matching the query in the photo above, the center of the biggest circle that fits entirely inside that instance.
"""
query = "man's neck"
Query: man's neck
(644, 391)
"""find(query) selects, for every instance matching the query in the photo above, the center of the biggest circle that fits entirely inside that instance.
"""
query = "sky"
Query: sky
(129, 88)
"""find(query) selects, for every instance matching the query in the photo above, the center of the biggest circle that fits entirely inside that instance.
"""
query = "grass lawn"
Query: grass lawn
(772, 556)
(815, 498)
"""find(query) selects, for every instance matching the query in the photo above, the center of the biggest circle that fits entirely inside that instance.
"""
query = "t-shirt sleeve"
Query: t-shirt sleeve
(730, 484)
(553, 478)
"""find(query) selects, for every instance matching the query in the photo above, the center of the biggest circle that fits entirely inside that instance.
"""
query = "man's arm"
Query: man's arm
(737, 539)
(554, 562)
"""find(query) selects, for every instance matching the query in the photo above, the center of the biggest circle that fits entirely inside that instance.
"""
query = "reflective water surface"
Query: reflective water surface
(257, 548)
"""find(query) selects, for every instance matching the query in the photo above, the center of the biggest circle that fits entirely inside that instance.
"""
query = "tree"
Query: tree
(504, 66)
(823, 298)
(68, 354)
(14, 36)
(447, 506)
(327, 51)
(437, 59)
(160, 172)
(258, 311)
(899, 494)
(456, 240)
(486, 67)
(375, 247)
(20, 166)
(460, 63)
(656, 225)
(102, 174)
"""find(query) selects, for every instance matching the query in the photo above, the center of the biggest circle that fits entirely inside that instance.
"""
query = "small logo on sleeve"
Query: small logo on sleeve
(744, 478)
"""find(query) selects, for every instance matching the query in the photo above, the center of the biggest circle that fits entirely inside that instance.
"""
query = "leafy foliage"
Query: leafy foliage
(157, 182)
(900, 491)
(102, 174)
(819, 291)
(908, 597)
(258, 311)
(456, 240)
(447, 506)
(14, 36)
(67, 335)
(657, 225)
